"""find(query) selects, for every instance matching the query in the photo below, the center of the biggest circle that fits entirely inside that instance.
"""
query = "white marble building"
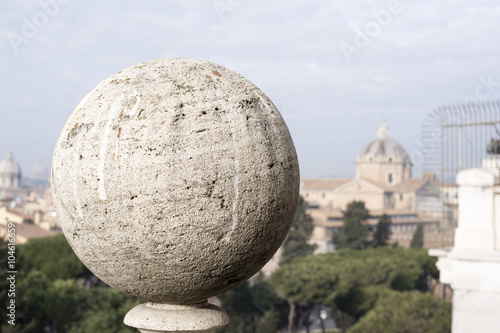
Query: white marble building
(472, 266)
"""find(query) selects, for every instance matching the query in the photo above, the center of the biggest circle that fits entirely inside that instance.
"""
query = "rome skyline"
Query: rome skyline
(334, 70)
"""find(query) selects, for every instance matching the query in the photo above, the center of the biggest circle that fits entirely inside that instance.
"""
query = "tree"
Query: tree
(349, 281)
(409, 312)
(107, 308)
(238, 304)
(304, 282)
(362, 275)
(353, 233)
(4, 283)
(274, 309)
(65, 304)
(296, 242)
(417, 242)
(31, 296)
(268, 323)
(49, 298)
(52, 256)
(253, 306)
(383, 232)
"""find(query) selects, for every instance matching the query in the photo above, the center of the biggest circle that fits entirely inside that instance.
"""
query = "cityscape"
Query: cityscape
(231, 166)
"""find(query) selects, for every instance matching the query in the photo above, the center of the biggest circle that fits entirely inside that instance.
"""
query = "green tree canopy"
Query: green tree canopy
(31, 296)
(253, 307)
(350, 281)
(417, 242)
(66, 302)
(409, 312)
(272, 308)
(304, 282)
(354, 231)
(53, 257)
(383, 232)
(238, 304)
(4, 283)
(296, 242)
(49, 298)
(46, 305)
(106, 309)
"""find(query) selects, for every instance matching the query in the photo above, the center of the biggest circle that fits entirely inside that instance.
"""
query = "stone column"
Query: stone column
(174, 181)
(472, 266)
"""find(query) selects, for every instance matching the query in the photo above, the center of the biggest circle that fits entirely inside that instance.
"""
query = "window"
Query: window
(389, 178)
(390, 159)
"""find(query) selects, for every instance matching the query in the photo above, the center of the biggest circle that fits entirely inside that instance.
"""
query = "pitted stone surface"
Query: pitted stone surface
(175, 180)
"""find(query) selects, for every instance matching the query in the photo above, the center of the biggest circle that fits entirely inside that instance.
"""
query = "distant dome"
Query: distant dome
(39, 172)
(10, 172)
(384, 147)
(383, 160)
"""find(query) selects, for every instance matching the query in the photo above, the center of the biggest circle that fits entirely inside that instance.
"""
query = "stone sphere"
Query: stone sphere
(175, 180)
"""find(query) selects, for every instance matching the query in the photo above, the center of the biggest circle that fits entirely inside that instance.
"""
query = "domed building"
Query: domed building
(384, 160)
(383, 182)
(28, 205)
(39, 173)
(10, 173)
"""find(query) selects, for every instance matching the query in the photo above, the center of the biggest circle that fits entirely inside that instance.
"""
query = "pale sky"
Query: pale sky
(335, 69)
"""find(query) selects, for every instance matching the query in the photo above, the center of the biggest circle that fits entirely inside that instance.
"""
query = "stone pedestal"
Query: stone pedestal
(472, 266)
(164, 318)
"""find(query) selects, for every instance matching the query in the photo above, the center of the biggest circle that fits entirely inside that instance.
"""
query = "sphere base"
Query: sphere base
(169, 318)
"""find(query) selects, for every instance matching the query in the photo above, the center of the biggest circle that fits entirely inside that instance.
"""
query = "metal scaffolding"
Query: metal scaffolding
(454, 138)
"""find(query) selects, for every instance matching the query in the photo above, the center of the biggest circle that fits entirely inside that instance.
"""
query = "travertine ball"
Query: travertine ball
(175, 180)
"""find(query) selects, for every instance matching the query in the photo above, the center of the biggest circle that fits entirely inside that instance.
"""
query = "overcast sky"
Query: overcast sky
(335, 69)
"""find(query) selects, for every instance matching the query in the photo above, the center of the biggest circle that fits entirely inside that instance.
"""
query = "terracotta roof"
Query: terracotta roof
(330, 184)
(384, 187)
(392, 211)
(447, 184)
(31, 231)
(322, 184)
(320, 217)
(20, 214)
(409, 185)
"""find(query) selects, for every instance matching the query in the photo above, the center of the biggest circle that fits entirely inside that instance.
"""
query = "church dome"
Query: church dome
(10, 172)
(39, 172)
(383, 147)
